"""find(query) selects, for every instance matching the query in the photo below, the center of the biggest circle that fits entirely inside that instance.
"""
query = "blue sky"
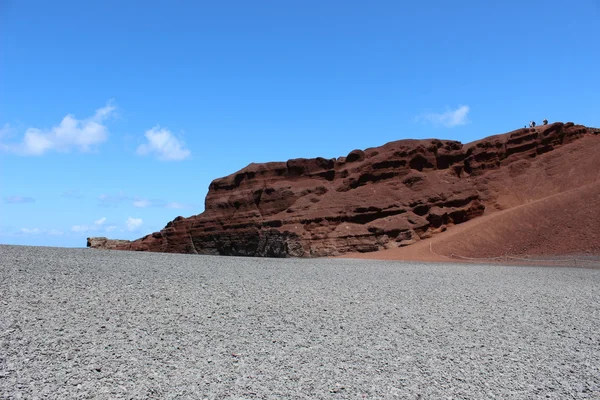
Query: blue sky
(115, 116)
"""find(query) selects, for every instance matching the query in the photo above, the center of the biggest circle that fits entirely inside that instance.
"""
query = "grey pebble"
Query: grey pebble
(81, 323)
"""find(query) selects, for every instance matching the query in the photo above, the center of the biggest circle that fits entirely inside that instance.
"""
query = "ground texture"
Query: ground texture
(83, 323)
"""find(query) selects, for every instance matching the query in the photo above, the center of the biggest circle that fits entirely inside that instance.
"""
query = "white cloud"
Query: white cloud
(110, 228)
(34, 231)
(18, 200)
(70, 133)
(38, 231)
(80, 228)
(449, 118)
(164, 144)
(143, 203)
(133, 223)
(89, 228)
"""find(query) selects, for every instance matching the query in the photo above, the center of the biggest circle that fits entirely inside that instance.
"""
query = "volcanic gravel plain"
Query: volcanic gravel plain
(82, 323)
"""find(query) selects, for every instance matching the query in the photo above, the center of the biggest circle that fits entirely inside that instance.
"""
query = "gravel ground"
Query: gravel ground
(80, 323)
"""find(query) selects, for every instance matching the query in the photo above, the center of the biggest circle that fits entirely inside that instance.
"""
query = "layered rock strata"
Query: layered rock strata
(372, 199)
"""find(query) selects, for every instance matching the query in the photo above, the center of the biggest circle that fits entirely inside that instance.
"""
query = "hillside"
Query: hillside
(525, 183)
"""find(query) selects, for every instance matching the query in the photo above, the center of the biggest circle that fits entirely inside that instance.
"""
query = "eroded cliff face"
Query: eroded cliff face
(382, 197)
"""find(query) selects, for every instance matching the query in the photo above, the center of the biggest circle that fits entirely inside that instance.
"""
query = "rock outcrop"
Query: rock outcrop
(105, 243)
(379, 198)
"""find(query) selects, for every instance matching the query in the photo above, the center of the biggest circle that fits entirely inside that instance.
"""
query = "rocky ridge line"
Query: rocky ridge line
(384, 197)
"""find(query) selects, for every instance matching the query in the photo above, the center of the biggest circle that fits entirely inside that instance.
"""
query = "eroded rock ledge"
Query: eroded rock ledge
(382, 197)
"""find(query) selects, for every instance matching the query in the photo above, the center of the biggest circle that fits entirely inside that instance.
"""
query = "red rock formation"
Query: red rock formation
(107, 244)
(379, 198)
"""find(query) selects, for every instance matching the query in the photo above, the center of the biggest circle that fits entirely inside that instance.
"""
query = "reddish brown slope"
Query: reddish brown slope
(565, 223)
(562, 224)
(550, 206)
(379, 198)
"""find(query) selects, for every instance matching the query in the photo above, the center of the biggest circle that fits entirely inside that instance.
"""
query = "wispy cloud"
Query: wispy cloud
(38, 231)
(6, 130)
(80, 228)
(72, 194)
(449, 118)
(33, 231)
(18, 200)
(107, 200)
(70, 133)
(133, 224)
(164, 145)
(177, 205)
(143, 203)
(96, 226)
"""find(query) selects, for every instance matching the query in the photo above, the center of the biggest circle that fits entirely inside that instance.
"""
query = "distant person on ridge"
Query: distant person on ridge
(545, 122)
